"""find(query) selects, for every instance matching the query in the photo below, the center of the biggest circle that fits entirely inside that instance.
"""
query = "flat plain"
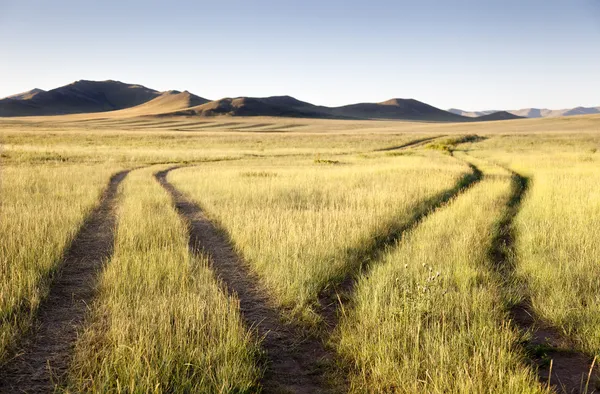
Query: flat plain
(240, 254)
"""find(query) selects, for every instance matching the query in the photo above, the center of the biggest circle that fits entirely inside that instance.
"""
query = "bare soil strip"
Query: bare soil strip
(43, 357)
(569, 369)
(296, 360)
(334, 299)
(409, 144)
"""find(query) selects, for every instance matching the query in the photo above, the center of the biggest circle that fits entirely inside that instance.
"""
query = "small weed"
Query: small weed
(258, 174)
(407, 153)
(326, 161)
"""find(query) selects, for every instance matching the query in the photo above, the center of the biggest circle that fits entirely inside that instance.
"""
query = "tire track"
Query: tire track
(44, 355)
(296, 360)
(409, 144)
(334, 299)
(570, 371)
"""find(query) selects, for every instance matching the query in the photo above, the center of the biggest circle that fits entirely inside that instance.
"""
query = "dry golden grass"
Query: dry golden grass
(161, 322)
(42, 207)
(299, 198)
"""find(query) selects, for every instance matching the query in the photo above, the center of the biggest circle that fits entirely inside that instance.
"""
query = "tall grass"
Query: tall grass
(41, 209)
(300, 224)
(430, 317)
(161, 322)
(558, 231)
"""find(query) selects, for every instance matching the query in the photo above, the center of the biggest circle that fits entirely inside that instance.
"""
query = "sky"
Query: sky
(472, 55)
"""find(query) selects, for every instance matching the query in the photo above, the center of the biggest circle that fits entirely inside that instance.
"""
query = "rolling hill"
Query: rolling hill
(118, 99)
(408, 109)
(499, 115)
(25, 95)
(249, 106)
(78, 97)
(166, 102)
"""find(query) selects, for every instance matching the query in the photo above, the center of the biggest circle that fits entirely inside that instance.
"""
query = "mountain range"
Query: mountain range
(533, 112)
(135, 100)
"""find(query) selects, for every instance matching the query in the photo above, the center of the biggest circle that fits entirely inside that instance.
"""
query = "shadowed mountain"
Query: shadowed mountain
(79, 97)
(500, 115)
(248, 106)
(408, 109)
(124, 100)
(290, 107)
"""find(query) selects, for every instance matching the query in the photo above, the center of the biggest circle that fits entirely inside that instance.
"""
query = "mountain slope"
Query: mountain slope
(249, 106)
(166, 102)
(500, 115)
(25, 95)
(409, 109)
(79, 97)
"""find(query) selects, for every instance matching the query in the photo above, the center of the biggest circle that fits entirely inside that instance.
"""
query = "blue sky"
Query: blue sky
(496, 54)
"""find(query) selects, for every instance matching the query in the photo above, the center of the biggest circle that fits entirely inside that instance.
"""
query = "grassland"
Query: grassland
(558, 227)
(302, 202)
(430, 316)
(301, 224)
(160, 321)
(42, 208)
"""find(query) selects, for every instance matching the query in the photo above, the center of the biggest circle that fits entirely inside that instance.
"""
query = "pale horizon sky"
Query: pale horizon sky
(472, 55)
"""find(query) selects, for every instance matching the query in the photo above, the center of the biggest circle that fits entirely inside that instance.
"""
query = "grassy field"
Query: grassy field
(558, 245)
(42, 208)
(160, 321)
(301, 224)
(308, 204)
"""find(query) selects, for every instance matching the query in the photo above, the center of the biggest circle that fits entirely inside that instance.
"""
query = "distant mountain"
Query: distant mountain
(166, 102)
(79, 97)
(499, 115)
(534, 112)
(409, 109)
(123, 100)
(287, 106)
(249, 106)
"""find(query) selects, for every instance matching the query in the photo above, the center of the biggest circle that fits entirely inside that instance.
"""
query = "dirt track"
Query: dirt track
(570, 368)
(296, 360)
(43, 356)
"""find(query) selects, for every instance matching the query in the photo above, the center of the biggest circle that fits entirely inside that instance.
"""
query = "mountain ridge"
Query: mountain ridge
(123, 99)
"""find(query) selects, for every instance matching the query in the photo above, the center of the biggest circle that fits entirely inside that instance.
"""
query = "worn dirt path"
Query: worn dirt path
(43, 356)
(334, 299)
(410, 144)
(570, 369)
(296, 360)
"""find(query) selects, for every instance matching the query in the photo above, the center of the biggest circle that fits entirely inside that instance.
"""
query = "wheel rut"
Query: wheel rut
(334, 299)
(296, 359)
(410, 144)
(43, 356)
(569, 371)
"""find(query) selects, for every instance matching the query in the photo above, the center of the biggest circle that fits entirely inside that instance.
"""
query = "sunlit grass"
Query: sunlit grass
(558, 230)
(304, 224)
(41, 209)
(430, 316)
(161, 323)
